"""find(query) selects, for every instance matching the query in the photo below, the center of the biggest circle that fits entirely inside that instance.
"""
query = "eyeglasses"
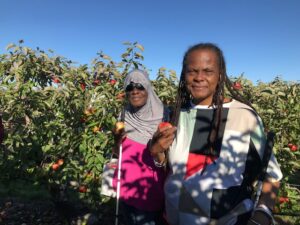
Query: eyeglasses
(132, 86)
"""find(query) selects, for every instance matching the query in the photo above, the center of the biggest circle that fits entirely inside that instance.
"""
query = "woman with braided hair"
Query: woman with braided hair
(215, 154)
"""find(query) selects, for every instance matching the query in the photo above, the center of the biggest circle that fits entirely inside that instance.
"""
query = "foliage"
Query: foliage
(166, 86)
(277, 104)
(53, 110)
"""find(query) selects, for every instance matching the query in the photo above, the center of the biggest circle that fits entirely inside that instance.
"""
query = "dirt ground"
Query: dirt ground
(17, 212)
(14, 211)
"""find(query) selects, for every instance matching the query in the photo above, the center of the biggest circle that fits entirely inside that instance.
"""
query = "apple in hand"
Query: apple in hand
(164, 124)
(119, 127)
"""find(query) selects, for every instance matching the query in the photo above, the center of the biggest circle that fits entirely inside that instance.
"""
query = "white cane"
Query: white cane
(118, 184)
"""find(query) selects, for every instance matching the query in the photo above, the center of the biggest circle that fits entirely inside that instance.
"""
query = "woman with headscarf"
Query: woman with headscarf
(141, 189)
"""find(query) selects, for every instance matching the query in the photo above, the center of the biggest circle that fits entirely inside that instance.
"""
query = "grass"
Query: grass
(24, 189)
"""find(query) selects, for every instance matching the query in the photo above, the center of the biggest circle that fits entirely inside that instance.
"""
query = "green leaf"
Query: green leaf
(282, 94)
(136, 65)
(10, 46)
(163, 94)
(267, 90)
(140, 47)
(124, 55)
(106, 57)
(126, 43)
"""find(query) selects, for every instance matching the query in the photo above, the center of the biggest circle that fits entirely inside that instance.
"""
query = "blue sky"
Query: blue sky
(260, 38)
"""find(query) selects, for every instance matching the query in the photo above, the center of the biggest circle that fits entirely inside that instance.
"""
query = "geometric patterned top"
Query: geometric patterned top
(215, 186)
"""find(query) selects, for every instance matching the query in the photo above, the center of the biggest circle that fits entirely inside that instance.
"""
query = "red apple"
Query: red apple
(55, 80)
(96, 82)
(237, 85)
(55, 166)
(283, 200)
(82, 86)
(112, 82)
(82, 189)
(60, 162)
(294, 148)
(164, 124)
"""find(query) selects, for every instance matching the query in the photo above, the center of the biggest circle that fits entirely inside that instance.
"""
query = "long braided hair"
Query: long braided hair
(184, 98)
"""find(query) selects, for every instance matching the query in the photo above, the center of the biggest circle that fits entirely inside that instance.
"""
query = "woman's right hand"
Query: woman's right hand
(162, 140)
(119, 135)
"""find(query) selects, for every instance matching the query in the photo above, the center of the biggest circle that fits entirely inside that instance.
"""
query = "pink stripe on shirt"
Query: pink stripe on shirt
(141, 181)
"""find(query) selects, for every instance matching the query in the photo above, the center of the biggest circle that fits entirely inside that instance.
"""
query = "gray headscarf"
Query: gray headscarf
(140, 125)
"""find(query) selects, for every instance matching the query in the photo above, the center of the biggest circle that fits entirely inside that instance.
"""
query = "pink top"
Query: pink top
(141, 181)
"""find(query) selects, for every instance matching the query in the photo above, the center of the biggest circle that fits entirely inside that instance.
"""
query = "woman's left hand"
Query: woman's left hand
(162, 139)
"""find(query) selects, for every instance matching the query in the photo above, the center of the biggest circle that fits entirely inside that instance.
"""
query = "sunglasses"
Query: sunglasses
(132, 86)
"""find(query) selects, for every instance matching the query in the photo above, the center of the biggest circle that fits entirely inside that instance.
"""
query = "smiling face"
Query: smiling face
(137, 97)
(202, 75)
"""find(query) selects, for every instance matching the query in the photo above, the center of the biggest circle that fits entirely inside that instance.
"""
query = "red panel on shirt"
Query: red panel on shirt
(196, 162)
